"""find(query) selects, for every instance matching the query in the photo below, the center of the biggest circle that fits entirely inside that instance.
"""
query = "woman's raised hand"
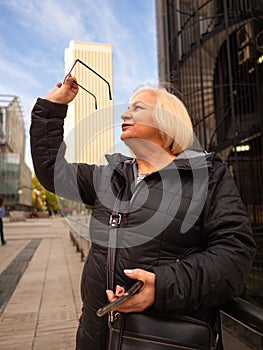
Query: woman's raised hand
(64, 93)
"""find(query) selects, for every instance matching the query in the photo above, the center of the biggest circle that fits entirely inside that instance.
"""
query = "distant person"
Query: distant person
(2, 213)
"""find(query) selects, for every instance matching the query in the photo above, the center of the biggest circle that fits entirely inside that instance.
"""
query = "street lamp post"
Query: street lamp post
(25, 197)
(37, 193)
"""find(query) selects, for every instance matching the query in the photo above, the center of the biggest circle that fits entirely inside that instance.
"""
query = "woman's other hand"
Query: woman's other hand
(64, 93)
(143, 299)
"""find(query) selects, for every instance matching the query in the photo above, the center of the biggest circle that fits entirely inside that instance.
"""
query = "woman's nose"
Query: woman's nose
(126, 115)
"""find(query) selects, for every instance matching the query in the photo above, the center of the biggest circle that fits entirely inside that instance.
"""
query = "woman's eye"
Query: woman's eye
(137, 107)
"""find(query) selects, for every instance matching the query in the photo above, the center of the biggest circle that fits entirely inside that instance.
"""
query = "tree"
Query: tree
(43, 200)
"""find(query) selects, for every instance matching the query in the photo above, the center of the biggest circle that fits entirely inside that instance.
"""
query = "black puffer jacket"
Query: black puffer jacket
(186, 223)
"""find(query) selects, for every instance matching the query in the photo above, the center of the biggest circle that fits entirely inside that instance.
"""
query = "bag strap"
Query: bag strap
(114, 222)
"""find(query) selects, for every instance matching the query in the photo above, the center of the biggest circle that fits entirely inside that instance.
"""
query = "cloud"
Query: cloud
(50, 19)
(134, 45)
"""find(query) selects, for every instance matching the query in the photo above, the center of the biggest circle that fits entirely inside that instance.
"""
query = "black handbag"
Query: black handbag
(135, 331)
(144, 331)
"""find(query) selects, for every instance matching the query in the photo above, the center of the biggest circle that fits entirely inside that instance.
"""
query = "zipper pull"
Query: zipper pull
(125, 215)
(110, 318)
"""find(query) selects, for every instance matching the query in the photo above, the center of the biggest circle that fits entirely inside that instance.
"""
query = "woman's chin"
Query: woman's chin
(125, 136)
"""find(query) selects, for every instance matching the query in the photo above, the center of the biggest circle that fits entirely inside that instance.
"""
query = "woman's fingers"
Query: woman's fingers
(119, 291)
(110, 295)
(64, 93)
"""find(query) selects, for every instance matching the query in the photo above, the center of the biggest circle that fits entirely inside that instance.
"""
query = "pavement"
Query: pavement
(40, 303)
(39, 286)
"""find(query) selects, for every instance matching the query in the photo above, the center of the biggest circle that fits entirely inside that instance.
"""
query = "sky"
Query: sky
(34, 35)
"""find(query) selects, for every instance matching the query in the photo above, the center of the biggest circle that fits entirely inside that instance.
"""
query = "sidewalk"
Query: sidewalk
(43, 311)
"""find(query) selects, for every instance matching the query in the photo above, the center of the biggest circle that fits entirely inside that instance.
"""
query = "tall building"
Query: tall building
(212, 50)
(89, 131)
(15, 175)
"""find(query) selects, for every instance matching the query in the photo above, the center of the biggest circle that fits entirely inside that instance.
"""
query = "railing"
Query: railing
(245, 321)
(79, 233)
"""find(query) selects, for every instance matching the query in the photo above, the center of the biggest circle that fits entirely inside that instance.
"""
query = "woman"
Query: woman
(182, 228)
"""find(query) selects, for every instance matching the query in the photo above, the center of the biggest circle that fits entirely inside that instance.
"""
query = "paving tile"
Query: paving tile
(10, 251)
(43, 311)
(25, 345)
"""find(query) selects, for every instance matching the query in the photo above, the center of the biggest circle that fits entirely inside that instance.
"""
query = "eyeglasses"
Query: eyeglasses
(82, 87)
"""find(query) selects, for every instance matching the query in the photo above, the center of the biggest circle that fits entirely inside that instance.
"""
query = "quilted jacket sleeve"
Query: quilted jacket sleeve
(218, 273)
(48, 154)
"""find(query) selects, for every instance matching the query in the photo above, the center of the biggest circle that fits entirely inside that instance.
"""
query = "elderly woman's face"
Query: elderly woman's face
(137, 121)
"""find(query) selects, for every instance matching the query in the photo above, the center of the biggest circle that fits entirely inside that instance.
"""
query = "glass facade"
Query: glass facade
(9, 177)
(15, 176)
(213, 52)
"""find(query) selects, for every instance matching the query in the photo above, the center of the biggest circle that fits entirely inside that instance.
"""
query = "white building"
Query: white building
(89, 133)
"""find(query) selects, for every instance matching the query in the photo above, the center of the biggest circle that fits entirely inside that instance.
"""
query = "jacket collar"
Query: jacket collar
(116, 159)
(187, 160)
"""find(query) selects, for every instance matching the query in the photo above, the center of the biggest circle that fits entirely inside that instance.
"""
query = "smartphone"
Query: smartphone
(109, 306)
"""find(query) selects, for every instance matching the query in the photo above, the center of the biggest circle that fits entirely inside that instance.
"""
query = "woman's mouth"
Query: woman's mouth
(125, 126)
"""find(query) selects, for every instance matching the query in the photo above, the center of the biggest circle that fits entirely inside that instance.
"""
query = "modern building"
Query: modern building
(212, 51)
(89, 123)
(15, 175)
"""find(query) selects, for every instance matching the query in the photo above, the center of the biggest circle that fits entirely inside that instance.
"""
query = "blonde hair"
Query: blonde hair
(172, 119)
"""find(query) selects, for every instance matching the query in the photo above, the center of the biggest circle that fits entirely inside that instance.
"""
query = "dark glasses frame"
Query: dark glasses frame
(82, 87)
